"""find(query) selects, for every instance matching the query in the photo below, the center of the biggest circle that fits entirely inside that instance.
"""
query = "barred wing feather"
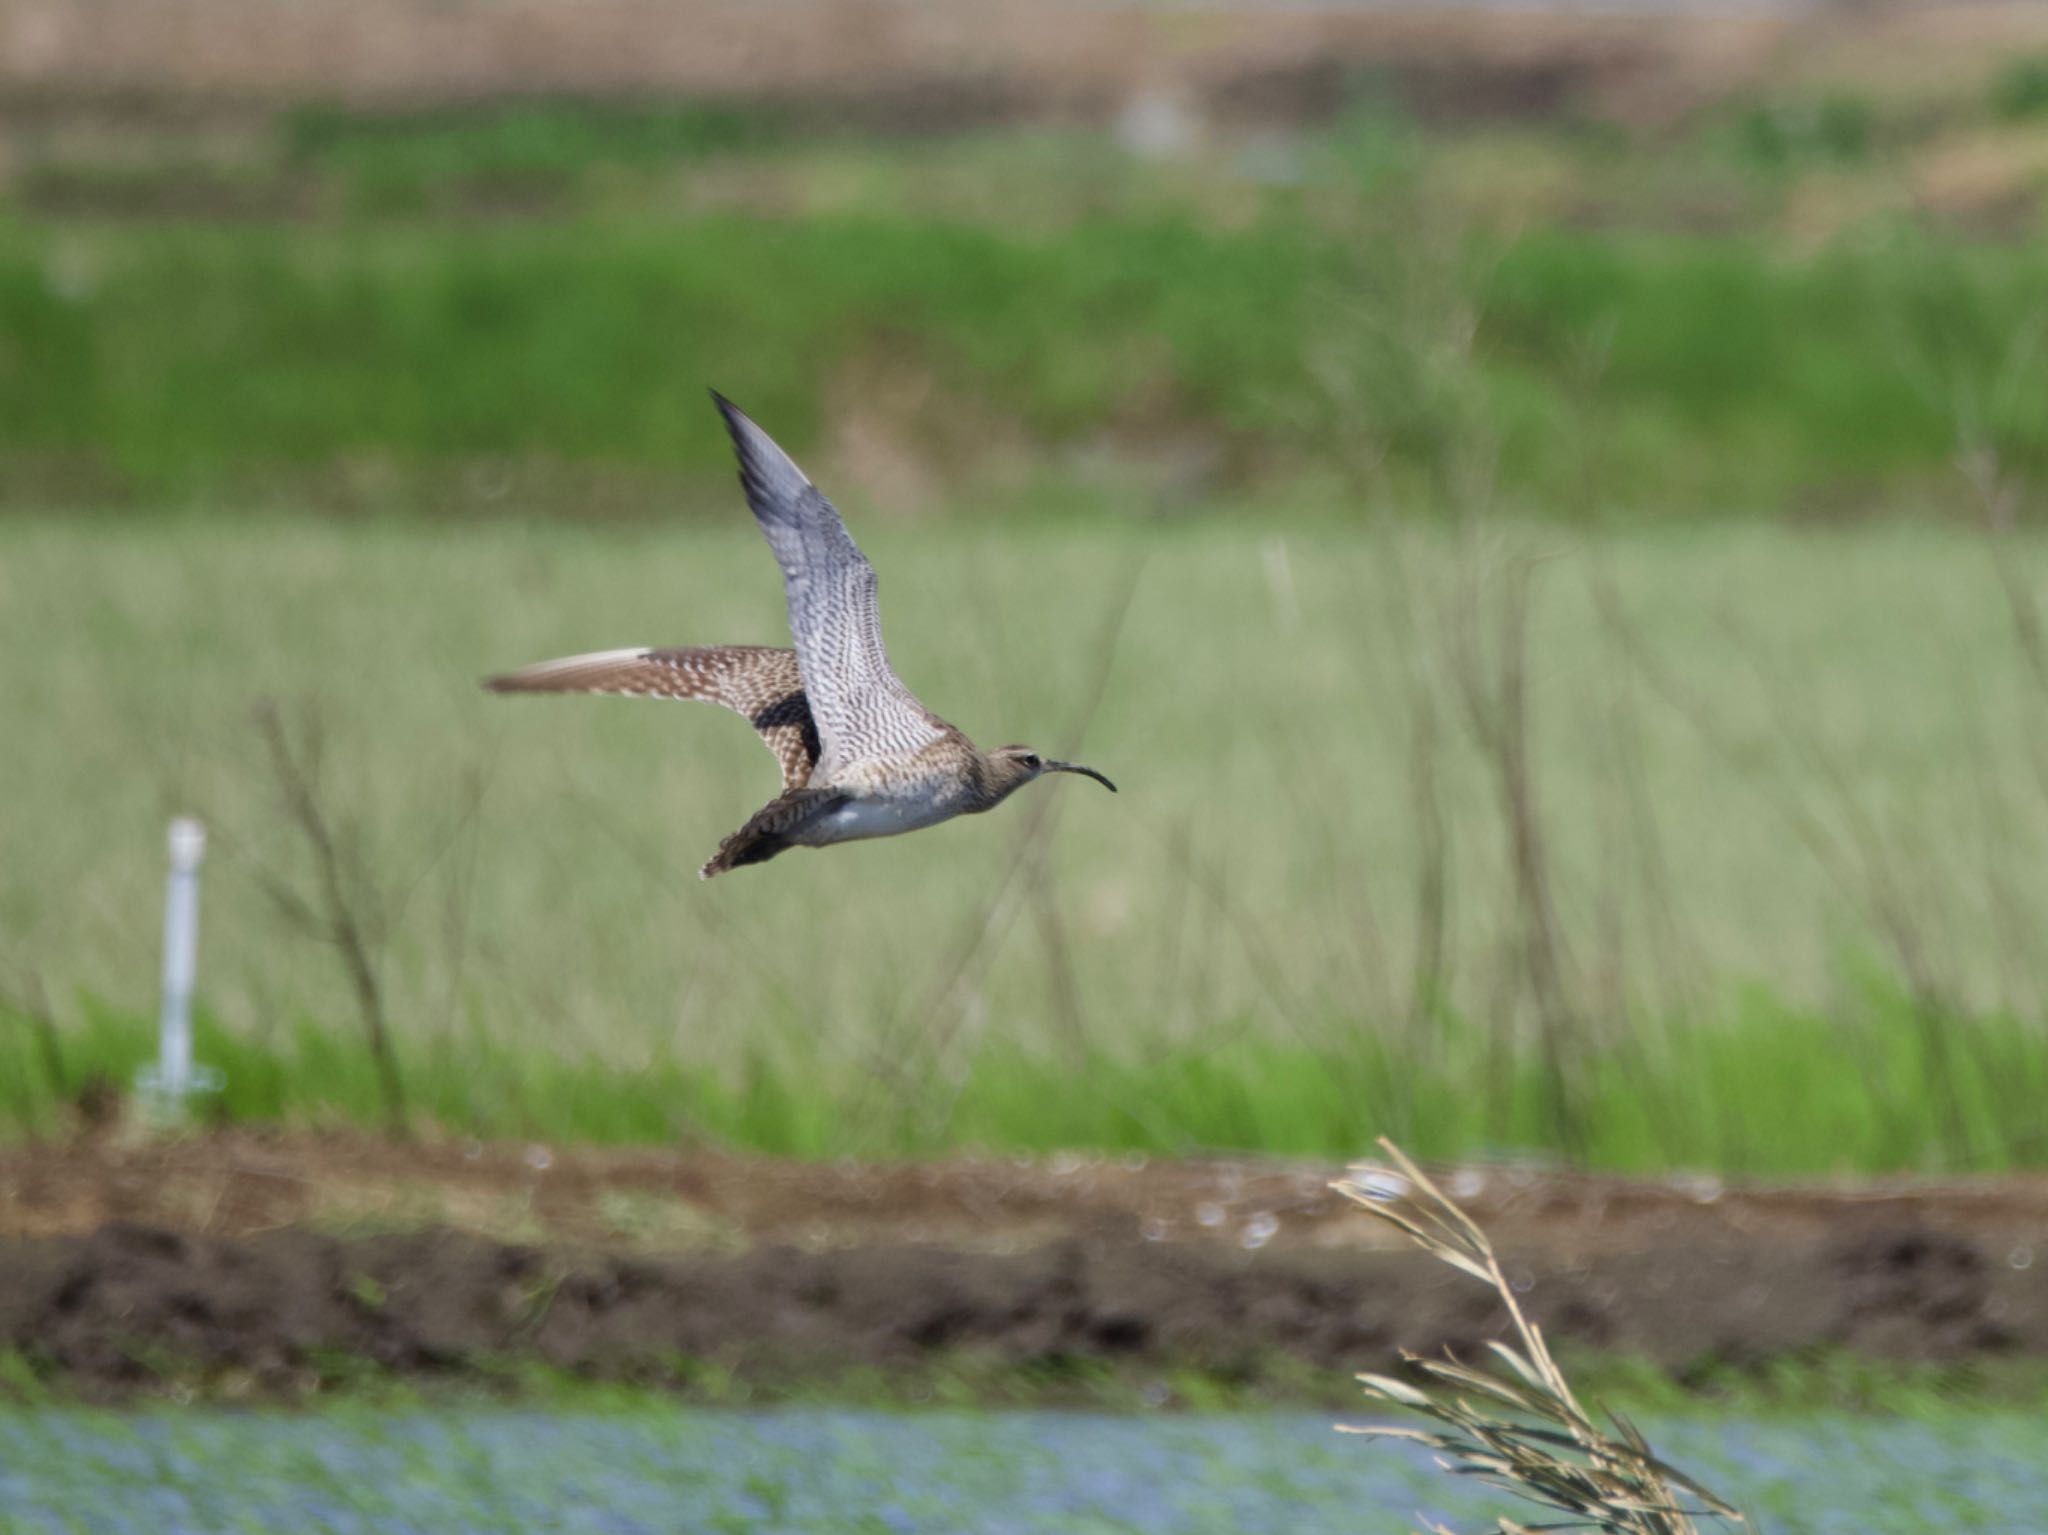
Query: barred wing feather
(760, 682)
(862, 708)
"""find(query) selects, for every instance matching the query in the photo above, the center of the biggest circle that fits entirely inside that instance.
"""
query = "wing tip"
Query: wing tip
(535, 678)
(767, 472)
(740, 426)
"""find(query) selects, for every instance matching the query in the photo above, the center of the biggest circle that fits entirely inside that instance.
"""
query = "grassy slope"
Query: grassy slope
(1655, 328)
(1763, 969)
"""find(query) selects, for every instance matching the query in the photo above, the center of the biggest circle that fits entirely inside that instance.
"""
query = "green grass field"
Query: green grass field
(521, 306)
(1565, 695)
(1782, 786)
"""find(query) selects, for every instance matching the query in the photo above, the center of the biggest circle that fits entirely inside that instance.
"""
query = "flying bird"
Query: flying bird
(860, 756)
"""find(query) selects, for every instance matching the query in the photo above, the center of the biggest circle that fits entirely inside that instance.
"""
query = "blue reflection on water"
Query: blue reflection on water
(808, 1471)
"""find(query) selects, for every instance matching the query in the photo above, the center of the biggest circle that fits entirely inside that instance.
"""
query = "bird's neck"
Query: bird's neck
(991, 780)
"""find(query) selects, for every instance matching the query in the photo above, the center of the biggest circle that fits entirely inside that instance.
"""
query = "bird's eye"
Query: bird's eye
(1031, 759)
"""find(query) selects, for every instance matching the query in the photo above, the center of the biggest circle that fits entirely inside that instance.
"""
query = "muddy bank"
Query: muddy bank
(901, 62)
(132, 1305)
(256, 1260)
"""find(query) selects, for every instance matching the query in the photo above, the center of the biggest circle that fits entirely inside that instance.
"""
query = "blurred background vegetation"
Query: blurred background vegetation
(1537, 512)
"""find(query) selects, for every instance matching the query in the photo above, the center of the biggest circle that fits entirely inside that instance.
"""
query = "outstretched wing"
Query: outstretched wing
(862, 709)
(761, 682)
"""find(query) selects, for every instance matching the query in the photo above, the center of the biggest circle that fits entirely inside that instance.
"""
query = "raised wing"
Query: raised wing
(760, 682)
(861, 708)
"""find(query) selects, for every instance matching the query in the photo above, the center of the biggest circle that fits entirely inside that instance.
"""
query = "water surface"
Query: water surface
(801, 1471)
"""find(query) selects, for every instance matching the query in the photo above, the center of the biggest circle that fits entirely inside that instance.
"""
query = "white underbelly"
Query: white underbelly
(864, 818)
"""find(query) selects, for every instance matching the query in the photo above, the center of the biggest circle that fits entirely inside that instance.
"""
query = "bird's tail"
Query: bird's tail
(771, 829)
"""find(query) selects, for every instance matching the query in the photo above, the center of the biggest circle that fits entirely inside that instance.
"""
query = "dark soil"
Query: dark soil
(261, 1260)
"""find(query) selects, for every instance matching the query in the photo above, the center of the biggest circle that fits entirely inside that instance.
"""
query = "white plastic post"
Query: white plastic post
(174, 1076)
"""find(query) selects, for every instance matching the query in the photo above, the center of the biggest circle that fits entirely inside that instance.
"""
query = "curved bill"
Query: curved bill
(1085, 772)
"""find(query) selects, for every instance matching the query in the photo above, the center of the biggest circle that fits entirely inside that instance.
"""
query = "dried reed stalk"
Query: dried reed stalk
(1524, 1432)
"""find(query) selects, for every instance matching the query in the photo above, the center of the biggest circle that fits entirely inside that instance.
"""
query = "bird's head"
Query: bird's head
(1012, 767)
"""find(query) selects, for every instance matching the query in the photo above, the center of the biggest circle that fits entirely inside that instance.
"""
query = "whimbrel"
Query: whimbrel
(861, 757)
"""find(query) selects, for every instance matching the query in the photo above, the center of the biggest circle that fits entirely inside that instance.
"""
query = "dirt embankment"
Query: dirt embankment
(916, 63)
(923, 65)
(257, 1259)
